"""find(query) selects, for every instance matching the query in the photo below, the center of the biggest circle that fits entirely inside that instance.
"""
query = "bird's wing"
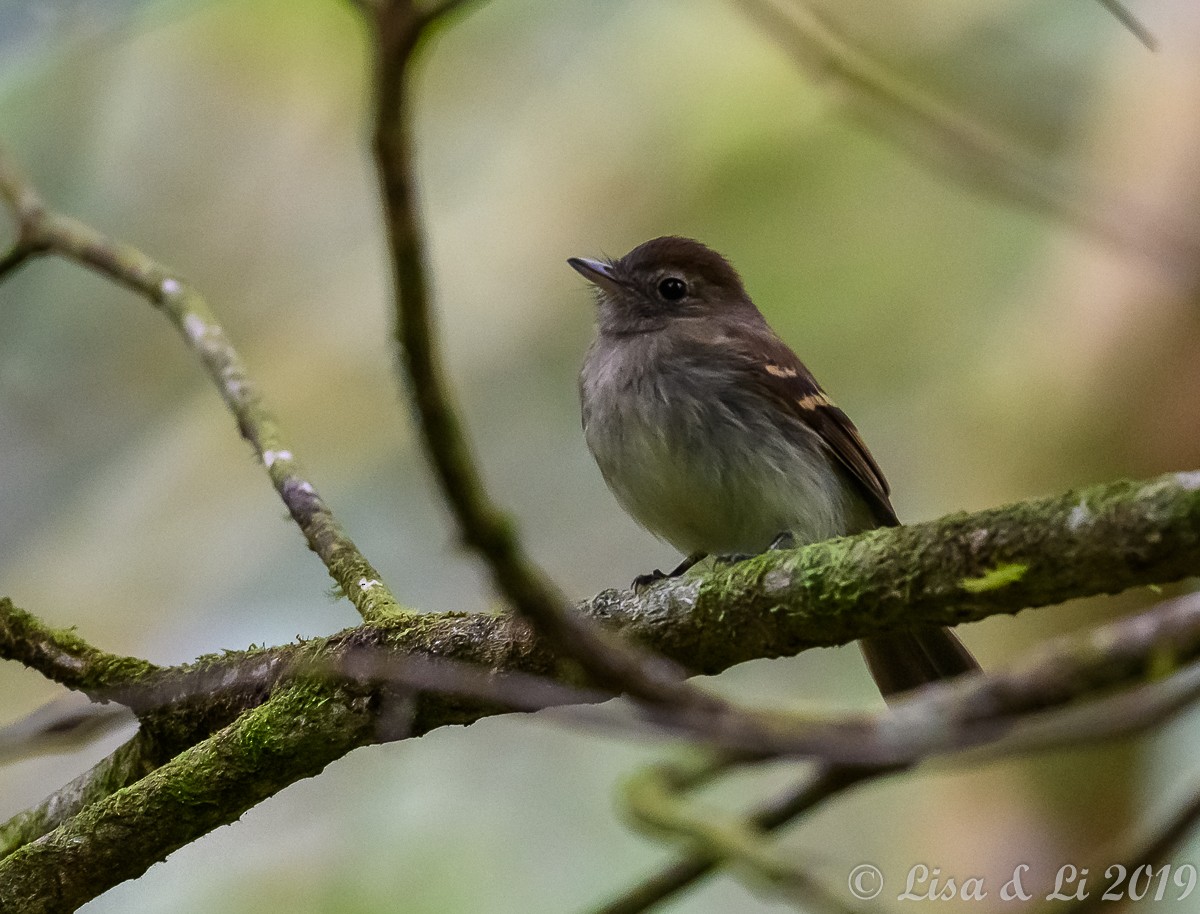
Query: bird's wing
(779, 373)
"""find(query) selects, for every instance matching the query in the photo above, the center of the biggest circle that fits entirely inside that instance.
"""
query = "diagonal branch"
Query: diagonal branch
(293, 736)
(64, 657)
(995, 709)
(1118, 679)
(41, 231)
(1131, 22)
(127, 765)
(399, 27)
(304, 725)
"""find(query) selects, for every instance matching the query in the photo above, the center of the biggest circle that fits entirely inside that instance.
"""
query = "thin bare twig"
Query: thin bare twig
(944, 137)
(442, 8)
(1131, 22)
(656, 800)
(1152, 851)
(45, 232)
(17, 256)
(1118, 679)
(824, 783)
(510, 690)
(399, 27)
(27, 211)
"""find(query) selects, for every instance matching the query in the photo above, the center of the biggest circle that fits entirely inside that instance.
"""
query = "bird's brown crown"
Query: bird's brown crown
(683, 257)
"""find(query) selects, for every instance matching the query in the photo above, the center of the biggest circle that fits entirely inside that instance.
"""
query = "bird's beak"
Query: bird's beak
(597, 272)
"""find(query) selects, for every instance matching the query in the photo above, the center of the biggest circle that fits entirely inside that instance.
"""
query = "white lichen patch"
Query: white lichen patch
(269, 457)
(1189, 481)
(1080, 516)
(682, 595)
(365, 585)
(170, 287)
(777, 580)
(194, 327)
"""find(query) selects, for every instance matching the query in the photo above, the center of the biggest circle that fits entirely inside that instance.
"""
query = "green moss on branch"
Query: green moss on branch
(293, 736)
(64, 657)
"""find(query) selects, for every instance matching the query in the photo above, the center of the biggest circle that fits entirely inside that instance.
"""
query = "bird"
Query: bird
(714, 436)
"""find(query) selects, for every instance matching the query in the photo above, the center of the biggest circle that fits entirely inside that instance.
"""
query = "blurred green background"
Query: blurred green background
(988, 351)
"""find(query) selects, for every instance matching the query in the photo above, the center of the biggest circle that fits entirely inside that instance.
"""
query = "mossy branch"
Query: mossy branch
(292, 736)
(1101, 539)
(64, 657)
(40, 231)
(127, 765)
(961, 568)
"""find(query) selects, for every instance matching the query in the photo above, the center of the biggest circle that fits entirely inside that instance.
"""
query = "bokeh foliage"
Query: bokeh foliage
(987, 351)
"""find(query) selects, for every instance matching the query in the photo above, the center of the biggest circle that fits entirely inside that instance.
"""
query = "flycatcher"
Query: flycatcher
(713, 435)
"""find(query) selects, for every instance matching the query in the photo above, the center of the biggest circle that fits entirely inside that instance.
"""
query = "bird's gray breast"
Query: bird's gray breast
(698, 458)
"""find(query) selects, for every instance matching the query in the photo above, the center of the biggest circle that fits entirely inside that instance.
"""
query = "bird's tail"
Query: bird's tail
(900, 661)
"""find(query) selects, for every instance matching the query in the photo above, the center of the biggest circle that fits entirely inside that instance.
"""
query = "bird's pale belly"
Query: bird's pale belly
(722, 483)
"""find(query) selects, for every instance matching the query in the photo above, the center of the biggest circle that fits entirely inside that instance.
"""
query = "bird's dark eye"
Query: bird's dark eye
(672, 288)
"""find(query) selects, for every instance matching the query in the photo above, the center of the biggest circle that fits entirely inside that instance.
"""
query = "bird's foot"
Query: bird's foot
(642, 581)
(732, 558)
(785, 540)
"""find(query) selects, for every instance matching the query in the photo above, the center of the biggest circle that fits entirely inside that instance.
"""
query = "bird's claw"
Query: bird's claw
(642, 581)
(732, 558)
(785, 540)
